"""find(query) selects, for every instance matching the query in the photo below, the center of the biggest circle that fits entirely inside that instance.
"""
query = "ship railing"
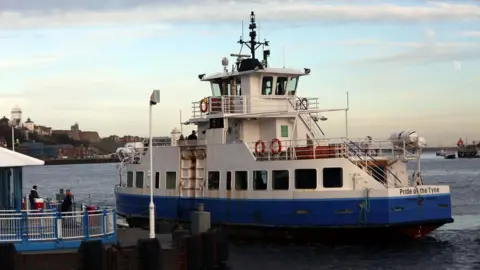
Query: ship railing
(330, 148)
(253, 105)
(31, 226)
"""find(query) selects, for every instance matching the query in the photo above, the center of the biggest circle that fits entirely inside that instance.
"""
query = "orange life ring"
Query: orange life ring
(279, 148)
(262, 145)
(204, 105)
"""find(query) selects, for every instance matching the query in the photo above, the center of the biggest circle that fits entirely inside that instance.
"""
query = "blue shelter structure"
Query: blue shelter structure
(45, 229)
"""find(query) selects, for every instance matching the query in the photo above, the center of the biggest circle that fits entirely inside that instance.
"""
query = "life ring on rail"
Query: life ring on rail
(278, 149)
(259, 147)
(304, 103)
(204, 105)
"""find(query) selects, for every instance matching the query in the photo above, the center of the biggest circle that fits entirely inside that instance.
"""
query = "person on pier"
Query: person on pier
(67, 203)
(33, 195)
(192, 136)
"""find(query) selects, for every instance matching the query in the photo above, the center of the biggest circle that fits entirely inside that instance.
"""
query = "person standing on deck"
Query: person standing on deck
(33, 195)
(67, 203)
(192, 136)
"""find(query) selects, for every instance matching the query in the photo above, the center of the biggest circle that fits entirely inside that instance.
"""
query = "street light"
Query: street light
(154, 99)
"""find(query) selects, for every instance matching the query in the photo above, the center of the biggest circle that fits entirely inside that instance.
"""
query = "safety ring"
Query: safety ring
(278, 149)
(260, 147)
(304, 103)
(204, 105)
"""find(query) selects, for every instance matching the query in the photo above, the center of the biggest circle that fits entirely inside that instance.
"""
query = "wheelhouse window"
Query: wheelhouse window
(305, 179)
(139, 179)
(129, 179)
(241, 180)
(267, 83)
(280, 180)
(157, 180)
(216, 88)
(332, 177)
(229, 180)
(260, 180)
(281, 86)
(213, 180)
(292, 86)
(171, 180)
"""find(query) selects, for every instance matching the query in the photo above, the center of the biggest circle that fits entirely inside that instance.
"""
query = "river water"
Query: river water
(454, 246)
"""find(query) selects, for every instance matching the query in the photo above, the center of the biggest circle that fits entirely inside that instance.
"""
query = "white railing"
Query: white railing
(31, 226)
(252, 105)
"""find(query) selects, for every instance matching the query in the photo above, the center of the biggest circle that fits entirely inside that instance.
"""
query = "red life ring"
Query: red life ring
(262, 145)
(204, 105)
(279, 147)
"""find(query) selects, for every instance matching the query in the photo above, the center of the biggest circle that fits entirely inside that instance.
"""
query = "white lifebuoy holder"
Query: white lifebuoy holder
(304, 103)
(275, 150)
(260, 147)
(204, 105)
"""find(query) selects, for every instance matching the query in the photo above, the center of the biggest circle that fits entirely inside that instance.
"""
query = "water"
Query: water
(454, 246)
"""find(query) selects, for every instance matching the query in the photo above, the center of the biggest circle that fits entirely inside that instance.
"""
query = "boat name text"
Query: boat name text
(420, 190)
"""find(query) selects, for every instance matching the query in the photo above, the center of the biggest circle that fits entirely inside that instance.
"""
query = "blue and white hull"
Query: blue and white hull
(412, 215)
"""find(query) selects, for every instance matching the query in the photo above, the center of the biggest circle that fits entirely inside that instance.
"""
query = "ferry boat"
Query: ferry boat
(261, 165)
(42, 227)
(467, 150)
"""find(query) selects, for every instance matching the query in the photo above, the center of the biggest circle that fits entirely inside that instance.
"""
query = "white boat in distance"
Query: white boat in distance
(261, 165)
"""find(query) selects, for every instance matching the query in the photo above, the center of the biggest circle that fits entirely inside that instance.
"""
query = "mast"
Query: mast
(253, 44)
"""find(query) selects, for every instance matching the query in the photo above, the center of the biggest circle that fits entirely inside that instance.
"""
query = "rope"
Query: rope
(365, 207)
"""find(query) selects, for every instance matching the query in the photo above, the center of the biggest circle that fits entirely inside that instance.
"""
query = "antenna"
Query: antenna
(253, 44)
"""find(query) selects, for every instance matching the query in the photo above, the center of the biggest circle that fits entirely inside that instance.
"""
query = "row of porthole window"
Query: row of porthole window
(304, 179)
(280, 179)
(170, 179)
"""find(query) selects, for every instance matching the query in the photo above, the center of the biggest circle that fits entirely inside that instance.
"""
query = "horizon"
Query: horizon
(407, 65)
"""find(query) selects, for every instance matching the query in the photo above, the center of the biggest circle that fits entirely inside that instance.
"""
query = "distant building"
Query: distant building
(79, 135)
(16, 116)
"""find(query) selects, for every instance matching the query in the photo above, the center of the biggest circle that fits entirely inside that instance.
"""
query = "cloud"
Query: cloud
(28, 62)
(427, 51)
(471, 34)
(61, 13)
(457, 65)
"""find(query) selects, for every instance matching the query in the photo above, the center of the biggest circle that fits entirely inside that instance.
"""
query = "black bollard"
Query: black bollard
(194, 260)
(209, 246)
(8, 253)
(92, 255)
(149, 254)
(221, 247)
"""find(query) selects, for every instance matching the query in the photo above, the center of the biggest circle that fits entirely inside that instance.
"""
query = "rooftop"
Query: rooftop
(9, 158)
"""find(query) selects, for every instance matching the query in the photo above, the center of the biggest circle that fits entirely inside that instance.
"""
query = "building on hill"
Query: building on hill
(79, 135)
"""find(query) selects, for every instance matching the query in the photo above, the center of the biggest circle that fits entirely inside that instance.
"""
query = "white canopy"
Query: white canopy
(9, 158)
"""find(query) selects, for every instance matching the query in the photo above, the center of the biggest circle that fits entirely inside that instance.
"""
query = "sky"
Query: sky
(407, 65)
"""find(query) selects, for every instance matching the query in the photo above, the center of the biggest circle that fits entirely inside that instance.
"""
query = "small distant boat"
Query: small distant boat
(441, 153)
(467, 150)
(450, 156)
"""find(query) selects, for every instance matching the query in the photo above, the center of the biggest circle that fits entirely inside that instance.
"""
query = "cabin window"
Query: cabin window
(267, 82)
(216, 123)
(171, 180)
(213, 180)
(239, 87)
(216, 90)
(241, 180)
(281, 86)
(129, 179)
(260, 179)
(139, 179)
(284, 131)
(305, 179)
(292, 86)
(332, 177)
(280, 180)
(229, 180)
(157, 180)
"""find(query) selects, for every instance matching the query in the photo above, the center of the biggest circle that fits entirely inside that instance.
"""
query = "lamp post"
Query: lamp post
(154, 99)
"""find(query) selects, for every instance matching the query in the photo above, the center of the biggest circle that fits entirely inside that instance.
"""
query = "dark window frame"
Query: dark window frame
(157, 180)
(280, 186)
(139, 180)
(130, 178)
(213, 181)
(244, 184)
(306, 185)
(263, 184)
(340, 173)
(168, 180)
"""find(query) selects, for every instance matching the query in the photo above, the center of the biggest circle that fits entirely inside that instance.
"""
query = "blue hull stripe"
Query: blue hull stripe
(296, 213)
